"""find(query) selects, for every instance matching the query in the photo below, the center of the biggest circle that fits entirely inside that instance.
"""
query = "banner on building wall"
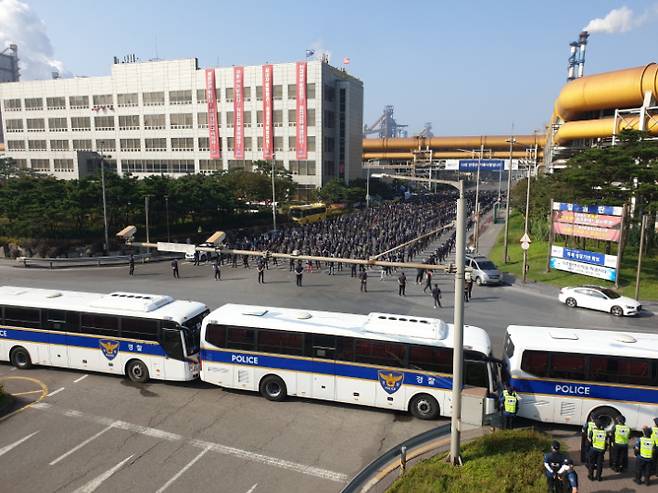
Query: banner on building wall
(302, 151)
(213, 127)
(268, 128)
(238, 112)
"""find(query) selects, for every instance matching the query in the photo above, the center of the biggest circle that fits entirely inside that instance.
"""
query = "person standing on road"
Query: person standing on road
(364, 281)
(174, 269)
(428, 282)
(353, 271)
(436, 295)
(645, 450)
(299, 273)
(468, 286)
(552, 464)
(598, 439)
(509, 401)
(196, 257)
(419, 275)
(619, 436)
(261, 272)
(402, 284)
(131, 265)
(585, 442)
(382, 273)
(216, 269)
(654, 437)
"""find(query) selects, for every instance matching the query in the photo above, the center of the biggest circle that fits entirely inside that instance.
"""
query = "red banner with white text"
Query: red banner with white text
(302, 152)
(238, 112)
(213, 127)
(268, 127)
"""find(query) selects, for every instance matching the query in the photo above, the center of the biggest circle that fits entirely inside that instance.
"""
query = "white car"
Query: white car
(599, 298)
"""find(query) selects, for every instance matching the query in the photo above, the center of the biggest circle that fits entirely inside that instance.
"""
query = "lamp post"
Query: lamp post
(511, 141)
(166, 197)
(146, 215)
(107, 239)
(273, 195)
(458, 320)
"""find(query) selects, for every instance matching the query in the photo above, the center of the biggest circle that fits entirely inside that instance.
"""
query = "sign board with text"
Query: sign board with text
(591, 270)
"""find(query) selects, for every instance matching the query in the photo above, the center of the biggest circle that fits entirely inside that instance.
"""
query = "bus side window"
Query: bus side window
(475, 374)
(345, 348)
(172, 343)
(73, 321)
(216, 335)
(324, 346)
(56, 320)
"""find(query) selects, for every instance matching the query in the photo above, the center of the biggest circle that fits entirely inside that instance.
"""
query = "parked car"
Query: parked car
(599, 298)
(484, 270)
(203, 256)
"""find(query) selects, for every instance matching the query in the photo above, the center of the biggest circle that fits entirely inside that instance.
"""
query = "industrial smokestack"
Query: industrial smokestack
(572, 61)
(582, 40)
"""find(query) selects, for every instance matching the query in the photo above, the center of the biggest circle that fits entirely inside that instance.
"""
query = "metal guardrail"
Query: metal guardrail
(398, 453)
(62, 263)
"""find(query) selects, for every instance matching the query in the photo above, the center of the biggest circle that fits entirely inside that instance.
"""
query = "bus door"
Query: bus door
(323, 353)
(58, 349)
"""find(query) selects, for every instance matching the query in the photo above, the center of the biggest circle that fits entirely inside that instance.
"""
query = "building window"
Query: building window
(277, 92)
(80, 123)
(248, 143)
(103, 100)
(329, 94)
(202, 120)
(329, 144)
(302, 168)
(246, 93)
(154, 122)
(128, 122)
(310, 143)
(259, 144)
(229, 94)
(40, 165)
(310, 90)
(180, 120)
(33, 104)
(82, 144)
(153, 98)
(259, 93)
(15, 145)
(127, 100)
(182, 144)
(37, 145)
(109, 144)
(292, 143)
(15, 125)
(329, 119)
(208, 166)
(63, 165)
(292, 118)
(240, 164)
(157, 166)
(58, 103)
(277, 118)
(57, 125)
(278, 144)
(229, 119)
(201, 96)
(153, 145)
(104, 122)
(36, 125)
(229, 143)
(59, 145)
(329, 168)
(259, 118)
(292, 91)
(204, 144)
(130, 145)
(78, 102)
(246, 120)
(304, 193)
(13, 105)
(310, 117)
(180, 97)
(21, 163)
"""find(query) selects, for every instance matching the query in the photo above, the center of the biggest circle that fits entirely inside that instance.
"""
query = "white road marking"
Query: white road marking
(215, 447)
(96, 482)
(180, 473)
(251, 490)
(80, 445)
(13, 369)
(7, 448)
(55, 392)
(27, 393)
(80, 379)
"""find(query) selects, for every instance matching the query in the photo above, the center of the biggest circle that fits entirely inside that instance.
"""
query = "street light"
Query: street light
(273, 195)
(511, 141)
(166, 197)
(146, 214)
(527, 211)
(458, 320)
(107, 240)
(368, 182)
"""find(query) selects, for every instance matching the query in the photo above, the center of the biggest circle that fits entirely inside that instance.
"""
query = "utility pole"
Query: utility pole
(645, 220)
(368, 187)
(527, 212)
(146, 214)
(107, 239)
(511, 141)
(273, 196)
(477, 200)
(166, 197)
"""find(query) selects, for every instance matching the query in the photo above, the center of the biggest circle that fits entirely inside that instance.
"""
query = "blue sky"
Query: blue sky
(469, 67)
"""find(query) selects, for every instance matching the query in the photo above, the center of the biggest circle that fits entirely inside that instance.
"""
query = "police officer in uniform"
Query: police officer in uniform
(654, 437)
(645, 449)
(585, 442)
(510, 404)
(598, 445)
(552, 464)
(131, 264)
(619, 445)
(299, 273)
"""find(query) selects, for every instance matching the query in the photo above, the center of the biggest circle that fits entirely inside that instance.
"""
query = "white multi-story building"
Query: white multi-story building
(152, 118)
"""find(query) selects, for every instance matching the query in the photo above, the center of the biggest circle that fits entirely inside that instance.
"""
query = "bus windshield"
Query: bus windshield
(192, 333)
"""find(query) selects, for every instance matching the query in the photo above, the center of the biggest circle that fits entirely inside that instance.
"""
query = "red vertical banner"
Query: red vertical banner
(238, 112)
(302, 152)
(213, 127)
(268, 128)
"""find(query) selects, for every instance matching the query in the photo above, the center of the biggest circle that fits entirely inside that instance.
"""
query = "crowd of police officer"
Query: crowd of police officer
(596, 440)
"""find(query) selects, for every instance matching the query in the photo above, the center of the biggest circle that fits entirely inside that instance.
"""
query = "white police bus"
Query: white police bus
(568, 375)
(140, 335)
(383, 360)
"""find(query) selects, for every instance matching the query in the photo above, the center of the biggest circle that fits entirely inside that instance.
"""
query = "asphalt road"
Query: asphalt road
(99, 433)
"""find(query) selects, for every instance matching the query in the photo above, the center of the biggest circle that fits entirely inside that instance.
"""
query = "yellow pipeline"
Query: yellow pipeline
(446, 143)
(603, 127)
(408, 156)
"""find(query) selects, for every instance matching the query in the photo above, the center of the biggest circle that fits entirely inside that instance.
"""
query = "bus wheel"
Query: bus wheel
(424, 406)
(606, 414)
(273, 388)
(20, 358)
(137, 372)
